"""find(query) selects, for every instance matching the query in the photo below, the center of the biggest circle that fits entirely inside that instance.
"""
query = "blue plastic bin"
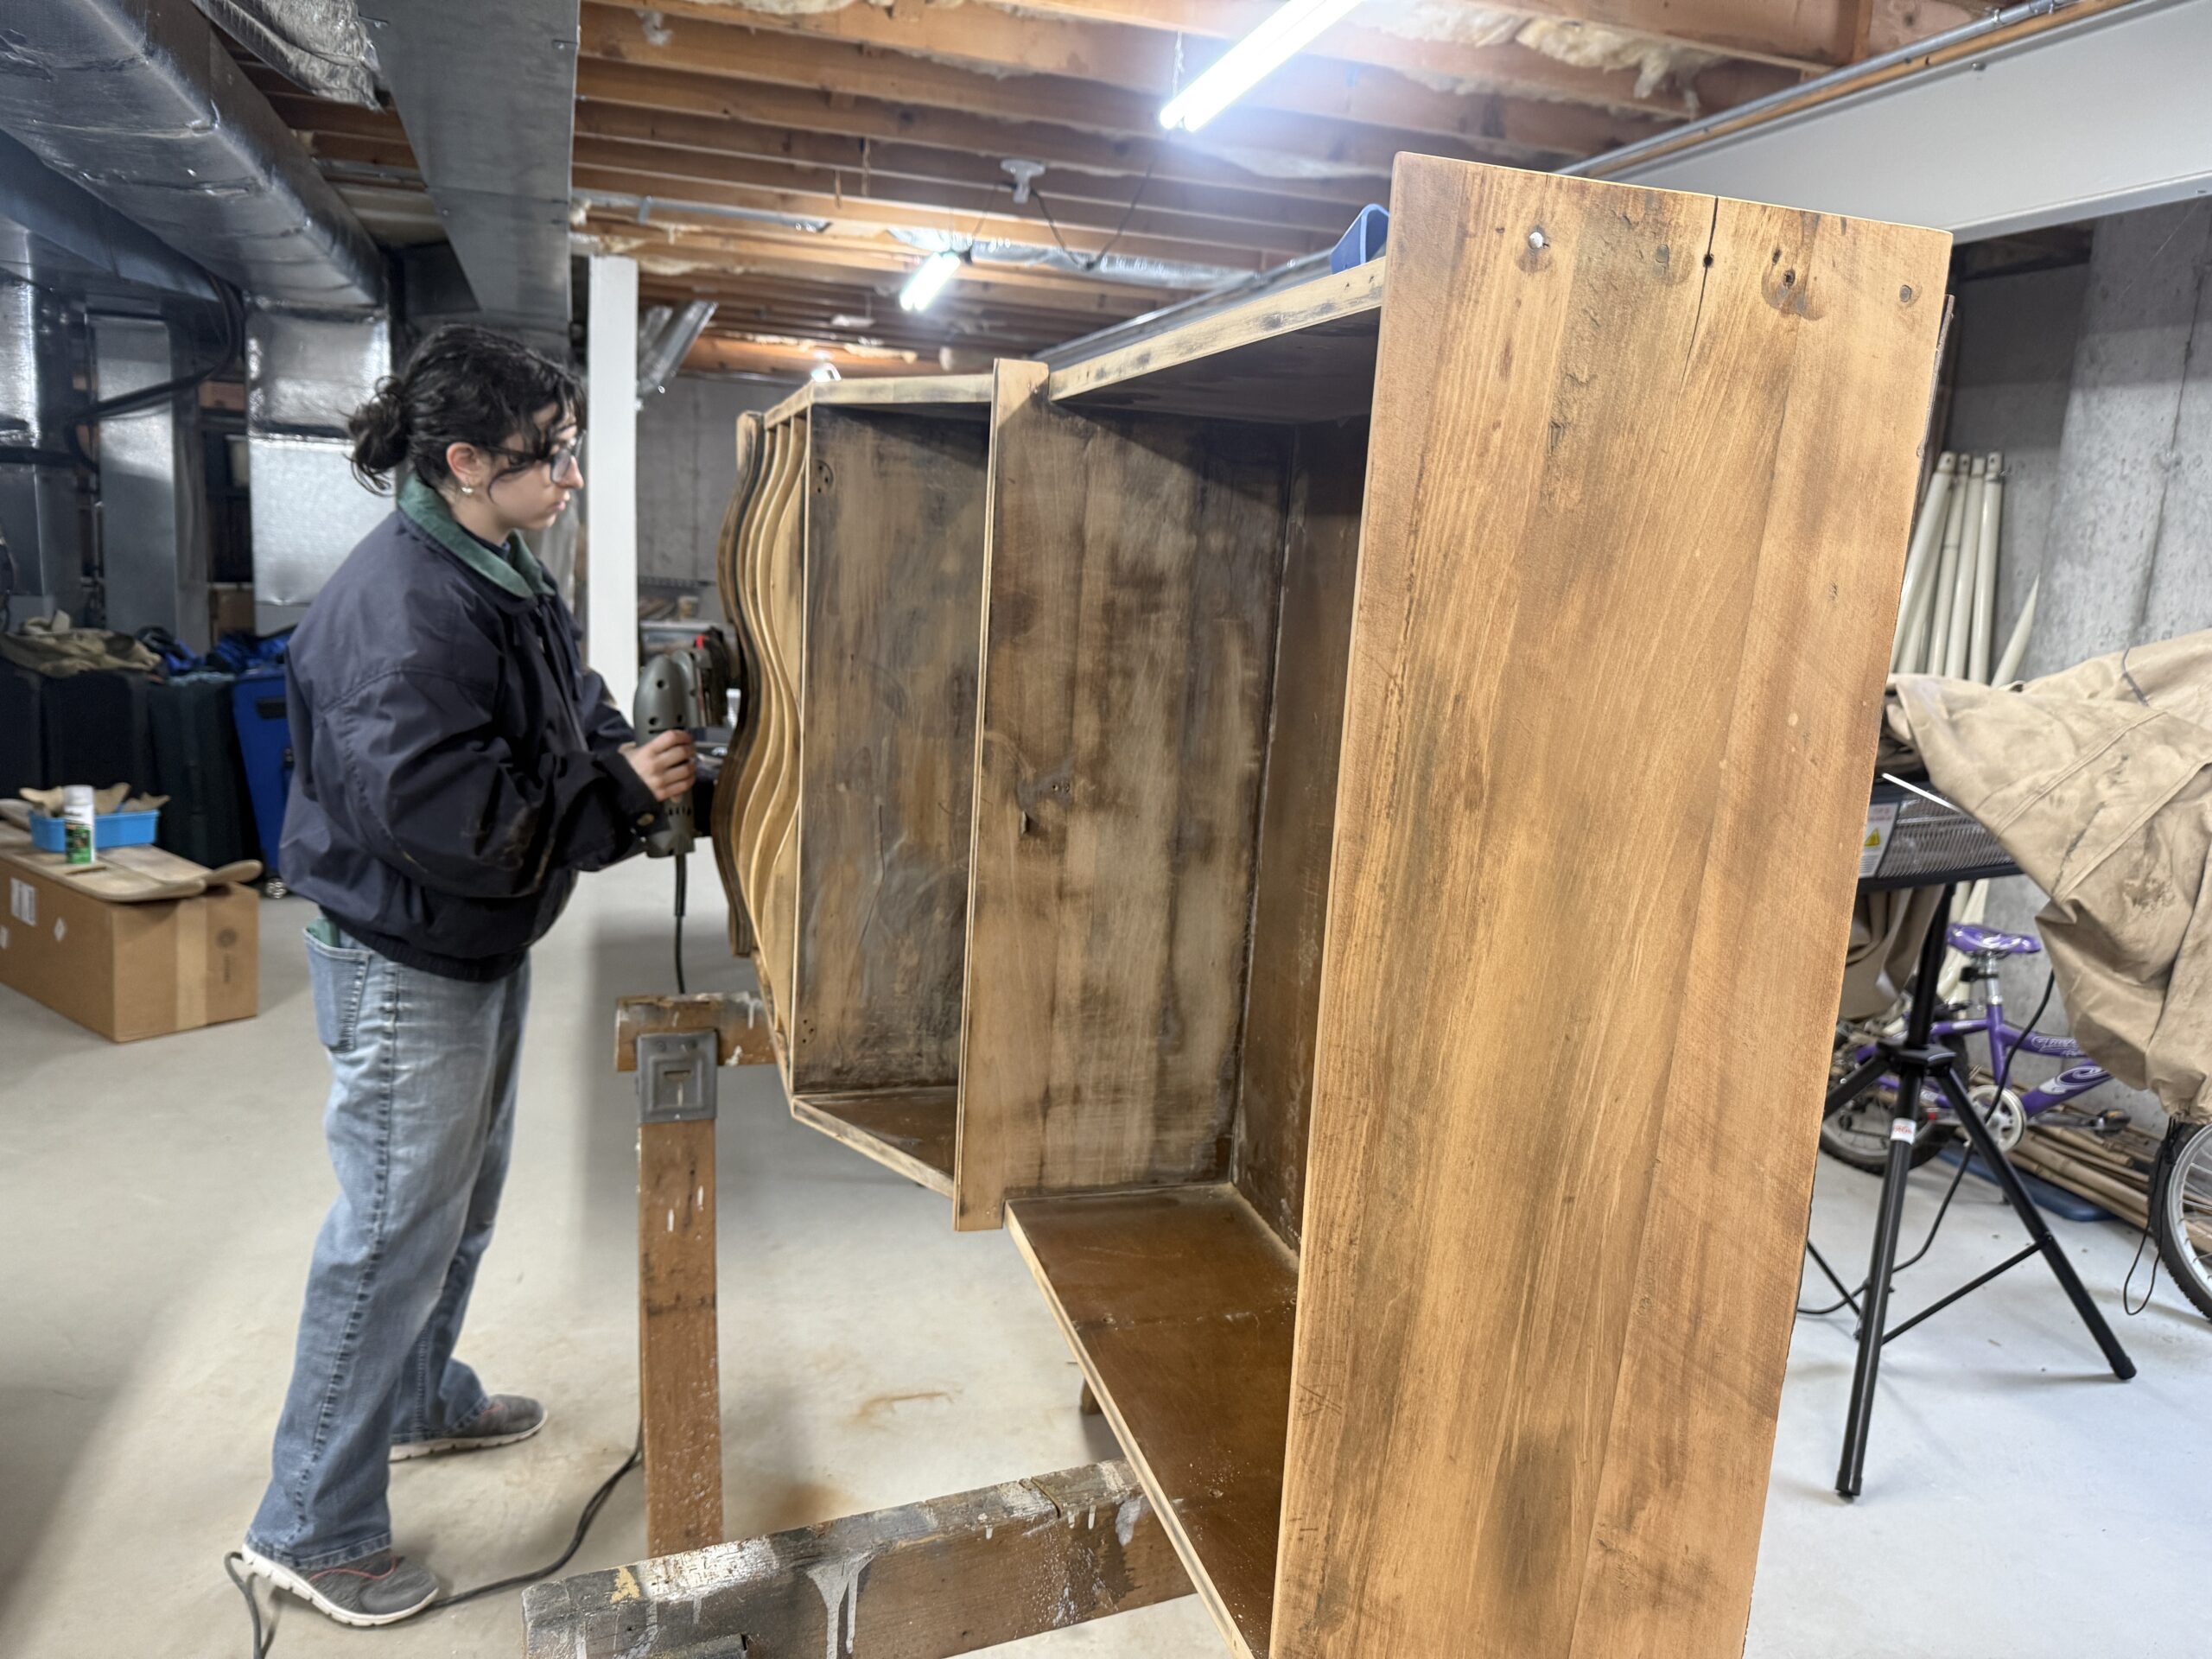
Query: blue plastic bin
(266, 746)
(111, 829)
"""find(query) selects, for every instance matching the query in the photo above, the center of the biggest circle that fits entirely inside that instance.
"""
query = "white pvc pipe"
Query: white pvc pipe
(2008, 666)
(1953, 661)
(1920, 562)
(1985, 571)
(1935, 641)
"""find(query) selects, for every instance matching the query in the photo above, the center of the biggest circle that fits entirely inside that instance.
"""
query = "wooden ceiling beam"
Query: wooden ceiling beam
(862, 300)
(684, 167)
(1150, 64)
(1060, 148)
(1110, 44)
(713, 355)
(1805, 34)
(1080, 240)
(837, 68)
(863, 160)
(667, 244)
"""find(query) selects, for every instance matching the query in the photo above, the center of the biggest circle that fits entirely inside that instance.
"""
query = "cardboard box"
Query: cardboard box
(130, 970)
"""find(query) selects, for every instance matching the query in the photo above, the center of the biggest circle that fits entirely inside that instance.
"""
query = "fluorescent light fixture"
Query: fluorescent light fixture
(825, 372)
(1286, 32)
(928, 282)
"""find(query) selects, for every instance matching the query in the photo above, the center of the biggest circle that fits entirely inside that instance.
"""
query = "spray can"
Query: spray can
(78, 810)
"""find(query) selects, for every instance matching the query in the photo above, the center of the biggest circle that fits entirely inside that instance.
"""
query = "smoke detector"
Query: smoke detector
(1023, 173)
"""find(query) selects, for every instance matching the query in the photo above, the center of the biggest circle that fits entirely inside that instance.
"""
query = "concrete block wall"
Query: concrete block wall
(687, 466)
(2112, 502)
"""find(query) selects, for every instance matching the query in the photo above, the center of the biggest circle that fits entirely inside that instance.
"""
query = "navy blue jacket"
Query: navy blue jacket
(454, 762)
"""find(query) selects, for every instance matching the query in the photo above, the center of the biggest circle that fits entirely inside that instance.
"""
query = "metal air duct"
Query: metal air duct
(317, 45)
(139, 102)
(487, 93)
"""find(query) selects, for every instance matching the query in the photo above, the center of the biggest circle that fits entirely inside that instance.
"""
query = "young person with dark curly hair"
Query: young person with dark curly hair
(456, 765)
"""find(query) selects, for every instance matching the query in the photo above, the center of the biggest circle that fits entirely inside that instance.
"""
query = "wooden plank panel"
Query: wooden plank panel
(1129, 617)
(927, 1580)
(1610, 668)
(910, 1130)
(679, 1377)
(1290, 906)
(1179, 1305)
(895, 585)
(1306, 354)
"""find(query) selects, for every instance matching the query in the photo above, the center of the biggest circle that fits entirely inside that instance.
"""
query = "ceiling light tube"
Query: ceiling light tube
(928, 282)
(1284, 34)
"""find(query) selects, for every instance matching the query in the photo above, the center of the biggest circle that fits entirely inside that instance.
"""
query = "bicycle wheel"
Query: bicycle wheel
(2181, 1211)
(1858, 1131)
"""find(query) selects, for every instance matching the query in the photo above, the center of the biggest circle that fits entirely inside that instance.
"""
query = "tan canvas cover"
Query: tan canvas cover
(2098, 781)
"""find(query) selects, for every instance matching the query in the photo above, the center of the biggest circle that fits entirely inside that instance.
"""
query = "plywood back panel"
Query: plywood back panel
(894, 566)
(1642, 469)
(1305, 725)
(1131, 573)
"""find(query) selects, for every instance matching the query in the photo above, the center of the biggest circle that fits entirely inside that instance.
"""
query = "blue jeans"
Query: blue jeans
(419, 1123)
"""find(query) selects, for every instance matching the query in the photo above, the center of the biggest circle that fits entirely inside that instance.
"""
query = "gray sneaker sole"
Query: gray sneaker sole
(285, 1579)
(410, 1449)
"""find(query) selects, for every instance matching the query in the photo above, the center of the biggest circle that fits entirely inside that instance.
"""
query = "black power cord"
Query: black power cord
(233, 1561)
(682, 859)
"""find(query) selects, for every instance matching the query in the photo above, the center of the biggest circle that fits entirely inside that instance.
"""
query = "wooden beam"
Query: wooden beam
(1800, 36)
(1059, 147)
(1151, 65)
(1107, 46)
(859, 211)
(862, 291)
(740, 1022)
(896, 194)
(838, 67)
(922, 1581)
(679, 1384)
(863, 161)
(672, 243)
(797, 359)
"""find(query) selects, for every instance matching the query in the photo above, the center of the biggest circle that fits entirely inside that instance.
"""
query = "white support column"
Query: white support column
(611, 476)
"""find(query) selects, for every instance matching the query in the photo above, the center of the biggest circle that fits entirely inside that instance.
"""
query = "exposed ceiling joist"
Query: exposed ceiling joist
(669, 90)
(840, 68)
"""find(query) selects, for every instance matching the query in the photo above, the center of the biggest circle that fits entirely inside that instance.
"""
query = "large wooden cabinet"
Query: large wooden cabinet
(1337, 826)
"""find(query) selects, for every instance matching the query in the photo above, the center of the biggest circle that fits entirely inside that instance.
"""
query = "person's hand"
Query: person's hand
(665, 766)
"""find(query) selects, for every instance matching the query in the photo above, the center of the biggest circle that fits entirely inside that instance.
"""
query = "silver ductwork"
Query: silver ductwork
(153, 549)
(306, 373)
(40, 523)
(140, 103)
(487, 93)
(317, 45)
(672, 338)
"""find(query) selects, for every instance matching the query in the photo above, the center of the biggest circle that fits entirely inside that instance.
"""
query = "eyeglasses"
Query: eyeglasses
(561, 458)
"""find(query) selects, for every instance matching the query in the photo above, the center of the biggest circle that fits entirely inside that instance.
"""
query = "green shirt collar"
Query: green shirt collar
(517, 572)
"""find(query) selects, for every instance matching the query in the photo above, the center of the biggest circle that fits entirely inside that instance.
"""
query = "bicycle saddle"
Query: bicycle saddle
(1973, 940)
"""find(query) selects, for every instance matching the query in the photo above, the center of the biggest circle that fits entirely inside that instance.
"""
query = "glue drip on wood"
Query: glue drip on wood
(839, 1585)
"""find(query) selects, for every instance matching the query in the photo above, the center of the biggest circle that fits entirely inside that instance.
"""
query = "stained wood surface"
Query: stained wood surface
(894, 574)
(1129, 627)
(784, 589)
(1298, 810)
(728, 577)
(740, 1023)
(910, 1130)
(679, 1385)
(961, 397)
(1306, 354)
(1178, 1304)
(922, 1581)
(1608, 733)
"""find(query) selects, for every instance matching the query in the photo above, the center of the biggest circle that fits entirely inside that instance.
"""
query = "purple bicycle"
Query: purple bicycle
(1857, 1131)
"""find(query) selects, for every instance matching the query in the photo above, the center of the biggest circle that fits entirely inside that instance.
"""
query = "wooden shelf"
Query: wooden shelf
(1179, 1305)
(967, 395)
(910, 1130)
(1304, 354)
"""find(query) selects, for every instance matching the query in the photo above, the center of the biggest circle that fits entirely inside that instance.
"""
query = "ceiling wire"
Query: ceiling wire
(1129, 213)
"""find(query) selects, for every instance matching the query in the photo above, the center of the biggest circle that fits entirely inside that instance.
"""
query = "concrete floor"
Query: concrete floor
(157, 1202)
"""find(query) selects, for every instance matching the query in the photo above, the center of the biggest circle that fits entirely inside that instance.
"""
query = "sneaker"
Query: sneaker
(509, 1418)
(379, 1589)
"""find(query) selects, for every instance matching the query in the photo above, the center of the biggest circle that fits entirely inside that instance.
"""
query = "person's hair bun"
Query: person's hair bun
(378, 430)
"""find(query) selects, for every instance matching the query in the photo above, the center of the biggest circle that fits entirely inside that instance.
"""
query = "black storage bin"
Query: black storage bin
(95, 728)
(23, 740)
(209, 817)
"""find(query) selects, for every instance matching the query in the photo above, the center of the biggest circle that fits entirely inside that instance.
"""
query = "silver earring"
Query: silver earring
(469, 489)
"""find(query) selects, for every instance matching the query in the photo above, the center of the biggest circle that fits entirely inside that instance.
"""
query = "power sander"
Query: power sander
(683, 690)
